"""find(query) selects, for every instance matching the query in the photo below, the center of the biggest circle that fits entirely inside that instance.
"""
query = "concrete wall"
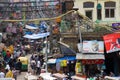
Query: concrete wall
(79, 4)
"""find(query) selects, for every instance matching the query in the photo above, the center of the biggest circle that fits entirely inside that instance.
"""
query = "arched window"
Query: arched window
(88, 5)
(110, 9)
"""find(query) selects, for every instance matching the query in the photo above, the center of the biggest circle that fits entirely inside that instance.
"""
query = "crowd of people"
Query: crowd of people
(13, 46)
(36, 62)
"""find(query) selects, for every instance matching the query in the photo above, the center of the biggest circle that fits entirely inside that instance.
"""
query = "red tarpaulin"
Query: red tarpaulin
(112, 42)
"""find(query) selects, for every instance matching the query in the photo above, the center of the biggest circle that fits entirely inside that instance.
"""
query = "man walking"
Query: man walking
(19, 66)
(38, 67)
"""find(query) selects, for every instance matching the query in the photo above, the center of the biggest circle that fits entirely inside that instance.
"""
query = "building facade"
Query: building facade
(102, 11)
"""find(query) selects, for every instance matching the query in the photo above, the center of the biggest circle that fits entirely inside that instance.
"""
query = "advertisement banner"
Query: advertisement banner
(112, 42)
(93, 46)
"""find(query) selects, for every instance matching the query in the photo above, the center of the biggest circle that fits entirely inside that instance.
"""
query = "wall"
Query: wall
(79, 4)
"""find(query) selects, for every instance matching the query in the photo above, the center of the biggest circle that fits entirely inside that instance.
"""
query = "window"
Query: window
(88, 5)
(110, 9)
(89, 14)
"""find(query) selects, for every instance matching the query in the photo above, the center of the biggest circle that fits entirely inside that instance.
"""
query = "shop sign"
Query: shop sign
(97, 61)
(89, 56)
(93, 46)
(112, 42)
(115, 24)
(116, 27)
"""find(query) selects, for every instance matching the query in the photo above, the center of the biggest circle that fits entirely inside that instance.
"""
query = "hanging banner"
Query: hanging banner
(112, 42)
(93, 46)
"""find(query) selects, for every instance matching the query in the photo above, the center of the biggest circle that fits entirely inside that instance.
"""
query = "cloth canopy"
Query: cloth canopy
(30, 27)
(37, 36)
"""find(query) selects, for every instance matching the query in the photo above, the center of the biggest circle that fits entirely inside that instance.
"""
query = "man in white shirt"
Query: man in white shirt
(38, 67)
(2, 74)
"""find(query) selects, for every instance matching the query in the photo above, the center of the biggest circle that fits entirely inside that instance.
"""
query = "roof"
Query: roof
(66, 50)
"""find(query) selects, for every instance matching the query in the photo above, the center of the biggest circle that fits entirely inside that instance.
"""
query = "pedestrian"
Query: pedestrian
(9, 74)
(33, 66)
(2, 74)
(38, 67)
(19, 66)
(7, 67)
(14, 73)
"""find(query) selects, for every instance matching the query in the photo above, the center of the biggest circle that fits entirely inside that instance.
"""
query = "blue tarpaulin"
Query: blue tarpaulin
(69, 58)
(37, 36)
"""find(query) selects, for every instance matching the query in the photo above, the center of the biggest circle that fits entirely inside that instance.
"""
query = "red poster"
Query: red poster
(112, 42)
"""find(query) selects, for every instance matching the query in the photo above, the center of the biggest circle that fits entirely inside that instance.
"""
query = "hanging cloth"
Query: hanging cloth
(58, 66)
(78, 68)
(63, 63)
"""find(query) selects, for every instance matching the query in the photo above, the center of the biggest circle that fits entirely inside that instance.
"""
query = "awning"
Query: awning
(69, 58)
(89, 56)
(51, 61)
(65, 49)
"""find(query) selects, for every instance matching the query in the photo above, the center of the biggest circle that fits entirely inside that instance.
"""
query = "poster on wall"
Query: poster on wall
(112, 42)
(93, 46)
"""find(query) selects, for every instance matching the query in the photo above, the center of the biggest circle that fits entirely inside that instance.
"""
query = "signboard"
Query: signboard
(99, 61)
(81, 56)
(116, 27)
(93, 46)
(112, 42)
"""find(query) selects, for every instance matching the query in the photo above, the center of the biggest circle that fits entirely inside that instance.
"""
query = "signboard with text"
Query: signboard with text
(112, 42)
(93, 46)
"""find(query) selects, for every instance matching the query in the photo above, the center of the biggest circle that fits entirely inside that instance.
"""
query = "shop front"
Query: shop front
(62, 65)
(89, 65)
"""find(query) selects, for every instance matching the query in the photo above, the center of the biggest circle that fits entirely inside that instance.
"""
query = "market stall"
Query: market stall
(89, 64)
